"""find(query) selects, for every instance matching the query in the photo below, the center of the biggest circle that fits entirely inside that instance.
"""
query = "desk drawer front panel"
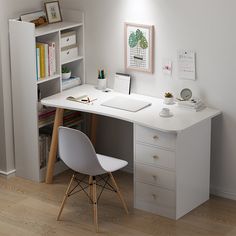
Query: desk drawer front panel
(155, 137)
(154, 195)
(155, 176)
(154, 156)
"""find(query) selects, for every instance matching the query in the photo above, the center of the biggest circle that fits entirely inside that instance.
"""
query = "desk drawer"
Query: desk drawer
(154, 156)
(155, 137)
(155, 176)
(154, 195)
(68, 39)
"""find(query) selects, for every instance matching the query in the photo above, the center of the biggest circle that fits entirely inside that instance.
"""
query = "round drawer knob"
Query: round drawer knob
(155, 137)
(156, 157)
(154, 177)
(68, 39)
(154, 196)
(68, 53)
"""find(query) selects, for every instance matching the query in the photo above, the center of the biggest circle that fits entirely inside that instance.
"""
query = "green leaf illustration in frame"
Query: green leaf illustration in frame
(133, 41)
(143, 43)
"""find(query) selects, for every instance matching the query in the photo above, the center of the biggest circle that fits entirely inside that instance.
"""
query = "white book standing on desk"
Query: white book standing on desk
(122, 83)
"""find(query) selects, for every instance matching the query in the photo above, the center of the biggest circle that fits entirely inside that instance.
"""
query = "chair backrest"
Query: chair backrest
(78, 153)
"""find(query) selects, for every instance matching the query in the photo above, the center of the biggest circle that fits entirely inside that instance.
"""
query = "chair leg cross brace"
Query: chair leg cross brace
(92, 195)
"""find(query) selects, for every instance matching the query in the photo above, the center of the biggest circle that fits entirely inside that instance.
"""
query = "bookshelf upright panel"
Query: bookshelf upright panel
(26, 86)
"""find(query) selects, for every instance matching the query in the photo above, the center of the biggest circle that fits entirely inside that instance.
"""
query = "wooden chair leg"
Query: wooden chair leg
(119, 193)
(95, 210)
(65, 196)
(91, 189)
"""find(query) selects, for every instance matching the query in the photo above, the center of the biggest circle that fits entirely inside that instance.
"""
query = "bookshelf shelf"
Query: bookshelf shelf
(52, 28)
(30, 121)
(72, 60)
(41, 81)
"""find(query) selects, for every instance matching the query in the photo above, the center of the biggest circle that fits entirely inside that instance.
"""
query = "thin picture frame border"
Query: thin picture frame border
(59, 9)
(151, 48)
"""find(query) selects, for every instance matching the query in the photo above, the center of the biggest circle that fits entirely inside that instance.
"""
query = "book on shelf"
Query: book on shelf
(37, 63)
(40, 46)
(46, 56)
(44, 149)
(52, 58)
(70, 83)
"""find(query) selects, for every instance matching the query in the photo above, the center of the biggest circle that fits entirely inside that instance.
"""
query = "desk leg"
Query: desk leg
(53, 149)
(93, 129)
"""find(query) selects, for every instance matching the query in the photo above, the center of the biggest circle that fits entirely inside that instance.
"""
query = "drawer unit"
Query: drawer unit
(154, 156)
(155, 176)
(155, 137)
(68, 39)
(154, 195)
(69, 53)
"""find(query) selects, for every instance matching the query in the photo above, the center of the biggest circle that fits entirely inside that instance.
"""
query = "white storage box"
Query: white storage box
(68, 39)
(69, 53)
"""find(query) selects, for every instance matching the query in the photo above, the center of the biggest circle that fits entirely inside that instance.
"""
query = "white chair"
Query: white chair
(78, 153)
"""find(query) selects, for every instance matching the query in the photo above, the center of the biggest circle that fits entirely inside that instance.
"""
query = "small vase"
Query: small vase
(168, 101)
(102, 84)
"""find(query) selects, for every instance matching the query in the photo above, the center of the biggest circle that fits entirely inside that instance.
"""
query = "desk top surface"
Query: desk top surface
(148, 117)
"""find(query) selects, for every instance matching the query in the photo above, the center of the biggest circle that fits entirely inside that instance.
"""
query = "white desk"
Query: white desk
(171, 155)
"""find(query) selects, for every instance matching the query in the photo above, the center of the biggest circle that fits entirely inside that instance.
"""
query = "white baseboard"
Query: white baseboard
(4, 173)
(221, 193)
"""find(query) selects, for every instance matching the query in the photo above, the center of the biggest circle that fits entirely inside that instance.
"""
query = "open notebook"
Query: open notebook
(82, 99)
(127, 104)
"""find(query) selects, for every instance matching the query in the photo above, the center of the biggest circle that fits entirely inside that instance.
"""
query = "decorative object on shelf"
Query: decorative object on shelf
(66, 72)
(165, 112)
(38, 18)
(53, 12)
(102, 81)
(186, 94)
(139, 47)
(168, 98)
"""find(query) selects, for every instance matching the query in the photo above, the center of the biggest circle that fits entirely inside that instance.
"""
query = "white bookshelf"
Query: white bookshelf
(23, 38)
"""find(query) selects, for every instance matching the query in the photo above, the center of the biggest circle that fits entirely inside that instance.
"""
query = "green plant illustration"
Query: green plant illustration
(133, 40)
(138, 38)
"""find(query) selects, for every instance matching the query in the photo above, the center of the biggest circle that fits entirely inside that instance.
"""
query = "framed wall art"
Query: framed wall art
(53, 12)
(139, 47)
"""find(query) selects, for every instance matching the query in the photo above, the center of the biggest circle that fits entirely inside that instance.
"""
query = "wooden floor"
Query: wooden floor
(28, 208)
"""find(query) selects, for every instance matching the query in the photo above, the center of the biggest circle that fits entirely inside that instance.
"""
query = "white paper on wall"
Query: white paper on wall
(187, 65)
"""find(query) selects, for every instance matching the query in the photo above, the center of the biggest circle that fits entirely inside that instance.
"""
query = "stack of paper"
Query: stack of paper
(193, 104)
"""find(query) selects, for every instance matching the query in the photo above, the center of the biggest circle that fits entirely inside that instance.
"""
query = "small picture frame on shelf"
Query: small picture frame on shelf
(38, 18)
(53, 12)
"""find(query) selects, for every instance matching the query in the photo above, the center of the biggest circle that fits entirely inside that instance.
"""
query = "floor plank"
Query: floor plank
(29, 208)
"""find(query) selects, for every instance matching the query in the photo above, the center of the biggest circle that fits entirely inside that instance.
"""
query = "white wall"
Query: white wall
(208, 27)
(8, 9)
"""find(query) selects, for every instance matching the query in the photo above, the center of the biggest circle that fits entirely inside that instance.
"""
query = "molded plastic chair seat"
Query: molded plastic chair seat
(111, 164)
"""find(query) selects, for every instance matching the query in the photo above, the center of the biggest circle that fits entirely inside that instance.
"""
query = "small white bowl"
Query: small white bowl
(66, 75)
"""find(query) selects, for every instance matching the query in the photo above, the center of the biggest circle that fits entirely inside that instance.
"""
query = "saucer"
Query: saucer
(166, 115)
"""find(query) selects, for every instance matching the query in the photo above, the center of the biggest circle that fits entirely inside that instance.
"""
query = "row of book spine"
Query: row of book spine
(44, 148)
(45, 60)
(71, 118)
